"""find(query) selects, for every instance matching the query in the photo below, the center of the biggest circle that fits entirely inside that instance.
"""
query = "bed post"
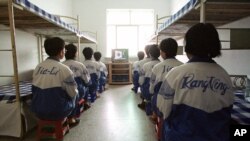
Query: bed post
(13, 44)
(202, 11)
(78, 37)
(156, 28)
(96, 40)
(14, 56)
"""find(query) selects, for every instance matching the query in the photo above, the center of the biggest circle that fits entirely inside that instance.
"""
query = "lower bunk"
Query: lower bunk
(15, 121)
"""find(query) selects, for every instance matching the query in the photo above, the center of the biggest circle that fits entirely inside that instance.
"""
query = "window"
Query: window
(129, 28)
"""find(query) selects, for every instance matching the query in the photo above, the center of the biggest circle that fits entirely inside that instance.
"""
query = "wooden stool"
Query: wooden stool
(81, 106)
(48, 129)
(158, 128)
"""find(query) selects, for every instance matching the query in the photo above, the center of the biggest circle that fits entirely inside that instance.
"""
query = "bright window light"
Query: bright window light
(142, 17)
(129, 28)
(127, 38)
(118, 17)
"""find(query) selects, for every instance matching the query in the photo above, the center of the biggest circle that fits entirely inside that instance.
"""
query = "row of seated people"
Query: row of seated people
(148, 73)
(59, 89)
(187, 98)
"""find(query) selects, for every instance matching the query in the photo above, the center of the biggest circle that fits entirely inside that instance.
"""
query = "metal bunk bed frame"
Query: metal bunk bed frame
(217, 12)
(15, 8)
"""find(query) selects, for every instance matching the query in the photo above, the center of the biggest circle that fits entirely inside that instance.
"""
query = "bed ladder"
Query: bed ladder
(14, 55)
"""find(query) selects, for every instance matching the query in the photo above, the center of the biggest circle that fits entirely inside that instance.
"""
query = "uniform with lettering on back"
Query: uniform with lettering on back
(103, 76)
(147, 68)
(54, 90)
(159, 72)
(94, 70)
(196, 101)
(81, 75)
(140, 69)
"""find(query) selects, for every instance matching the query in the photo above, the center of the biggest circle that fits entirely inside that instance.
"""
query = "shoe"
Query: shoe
(74, 122)
(98, 95)
(153, 119)
(141, 106)
(86, 106)
(134, 90)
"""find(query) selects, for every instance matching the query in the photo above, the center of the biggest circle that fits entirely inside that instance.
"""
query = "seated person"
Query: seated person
(94, 71)
(53, 87)
(154, 53)
(103, 72)
(168, 50)
(196, 98)
(81, 73)
(135, 72)
(142, 74)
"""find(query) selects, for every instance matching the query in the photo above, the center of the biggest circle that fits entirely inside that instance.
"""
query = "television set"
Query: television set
(119, 55)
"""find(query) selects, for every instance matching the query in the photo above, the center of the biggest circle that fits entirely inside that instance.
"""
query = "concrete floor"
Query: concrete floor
(113, 117)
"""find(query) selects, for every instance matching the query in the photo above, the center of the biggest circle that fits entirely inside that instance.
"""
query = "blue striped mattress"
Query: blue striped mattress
(52, 18)
(184, 10)
(8, 92)
(241, 109)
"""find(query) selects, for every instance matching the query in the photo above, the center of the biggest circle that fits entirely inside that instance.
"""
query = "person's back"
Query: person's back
(79, 70)
(81, 73)
(141, 63)
(141, 74)
(94, 70)
(135, 71)
(103, 72)
(147, 68)
(203, 102)
(196, 98)
(168, 49)
(53, 86)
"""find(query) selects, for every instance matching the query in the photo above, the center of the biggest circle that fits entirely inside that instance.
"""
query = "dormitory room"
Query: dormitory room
(124, 70)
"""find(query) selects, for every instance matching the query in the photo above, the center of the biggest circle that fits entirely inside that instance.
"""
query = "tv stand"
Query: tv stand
(120, 73)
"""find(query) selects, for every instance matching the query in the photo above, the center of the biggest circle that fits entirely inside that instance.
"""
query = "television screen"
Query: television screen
(119, 55)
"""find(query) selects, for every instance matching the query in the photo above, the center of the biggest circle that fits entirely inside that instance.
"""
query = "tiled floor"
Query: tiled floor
(113, 117)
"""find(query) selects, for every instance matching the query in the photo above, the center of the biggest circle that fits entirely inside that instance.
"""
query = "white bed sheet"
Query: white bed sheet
(10, 119)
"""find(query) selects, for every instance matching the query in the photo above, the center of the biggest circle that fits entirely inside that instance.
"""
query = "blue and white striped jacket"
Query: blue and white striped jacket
(196, 100)
(54, 90)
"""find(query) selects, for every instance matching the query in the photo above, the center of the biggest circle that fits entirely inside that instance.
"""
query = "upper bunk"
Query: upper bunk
(30, 18)
(217, 12)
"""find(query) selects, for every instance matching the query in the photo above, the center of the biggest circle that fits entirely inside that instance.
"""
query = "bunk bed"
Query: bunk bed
(217, 12)
(15, 98)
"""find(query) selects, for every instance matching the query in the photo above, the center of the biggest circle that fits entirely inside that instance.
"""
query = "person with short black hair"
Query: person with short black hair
(196, 98)
(94, 71)
(103, 71)
(168, 50)
(54, 89)
(154, 52)
(135, 73)
(81, 74)
(142, 74)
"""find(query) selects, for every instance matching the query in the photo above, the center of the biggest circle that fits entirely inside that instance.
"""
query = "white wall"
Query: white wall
(235, 61)
(93, 14)
(27, 56)
(58, 7)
